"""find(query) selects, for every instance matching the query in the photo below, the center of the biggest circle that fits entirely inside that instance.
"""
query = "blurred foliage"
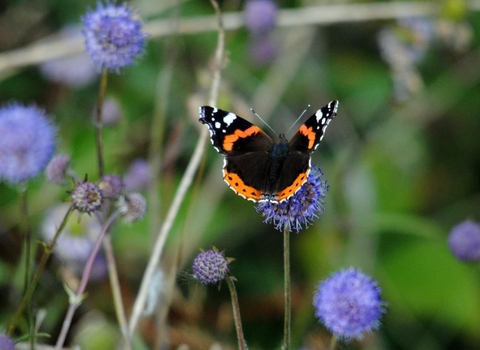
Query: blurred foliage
(401, 174)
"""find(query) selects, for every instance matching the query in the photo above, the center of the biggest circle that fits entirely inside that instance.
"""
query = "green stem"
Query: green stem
(31, 288)
(287, 290)
(333, 343)
(236, 313)
(99, 121)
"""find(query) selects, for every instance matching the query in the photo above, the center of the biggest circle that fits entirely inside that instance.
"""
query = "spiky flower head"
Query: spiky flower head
(27, 142)
(464, 241)
(299, 210)
(113, 36)
(260, 15)
(210, 267)
(111, 186)
(87, 197)
(348, 303)
(135, 207)
(56, 171)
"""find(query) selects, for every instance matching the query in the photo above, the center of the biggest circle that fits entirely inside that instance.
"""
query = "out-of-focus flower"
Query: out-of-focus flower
(6, 343)
(112, 112)
(56, 171)
(135, 207)
(113, 36)
(87, 197)
(300, 209)
(464, 241)
(74, 245)
(262, 49)
(74, 71)
(27, 142)
(260, 15)
(210, 267)
(348, 303)
(138, 176)
(111, 186)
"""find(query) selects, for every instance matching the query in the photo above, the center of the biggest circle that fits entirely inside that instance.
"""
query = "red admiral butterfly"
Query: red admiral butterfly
(256, 167)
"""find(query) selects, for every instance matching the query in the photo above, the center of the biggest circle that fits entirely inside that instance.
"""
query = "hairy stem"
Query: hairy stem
(236, 313)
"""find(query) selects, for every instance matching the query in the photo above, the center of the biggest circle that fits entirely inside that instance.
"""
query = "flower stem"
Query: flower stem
(38, 273)
(236, 313)
(287, 289)
(76, 299)
(99, 121)
(333, 343)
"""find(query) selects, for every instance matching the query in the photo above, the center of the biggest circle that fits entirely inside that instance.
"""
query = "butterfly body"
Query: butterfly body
(258, 168)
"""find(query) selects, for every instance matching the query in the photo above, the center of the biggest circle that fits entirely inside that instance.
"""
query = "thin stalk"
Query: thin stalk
(242, 345)
(38, 273)
(287, 326)
(76, 299)
(99, 121)
(333, 342)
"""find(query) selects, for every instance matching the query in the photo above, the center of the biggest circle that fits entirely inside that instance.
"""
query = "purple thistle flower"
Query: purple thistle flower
(27, 142)
(136, 207)
(6, 343)
(300, 209)
(87, 197)
(464, 241)
(56, 171)
(210, 267)
(260, 15)
(138, 175)
(348, 303)
(111, 186)
(113, 36)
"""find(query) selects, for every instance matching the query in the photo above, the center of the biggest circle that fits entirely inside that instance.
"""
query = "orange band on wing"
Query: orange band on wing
(237, 184)
(308, 133)
(294, 187)
(239, 134)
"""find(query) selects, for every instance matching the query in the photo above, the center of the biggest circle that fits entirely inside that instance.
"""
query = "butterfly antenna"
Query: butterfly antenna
(264, 122)
(301, 115)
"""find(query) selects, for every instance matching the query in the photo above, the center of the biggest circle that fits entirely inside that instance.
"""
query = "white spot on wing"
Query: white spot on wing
(229, 118)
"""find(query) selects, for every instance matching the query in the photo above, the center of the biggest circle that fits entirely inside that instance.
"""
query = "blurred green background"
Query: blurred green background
(402, 159)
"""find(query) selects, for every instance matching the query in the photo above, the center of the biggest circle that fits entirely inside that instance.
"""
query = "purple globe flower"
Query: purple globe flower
(301, 208)
(260, 15)
(113, 36)
(6, 343)
(138, 175)
(27, 142)
(464, 241)
(348, 304)
(111, 186)
(57, 168)
(87, 197)
(210, 267)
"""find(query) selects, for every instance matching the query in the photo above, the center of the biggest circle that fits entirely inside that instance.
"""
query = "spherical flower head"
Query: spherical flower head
(260, 15)
(6, 343)
(56, 171)
(111, 186)
(135, 207)
(87, 197)
(27, 142)
(138, 176)
(210, 267)
(300, 209)
(113, 36)
(348, 304)
(464, 241)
